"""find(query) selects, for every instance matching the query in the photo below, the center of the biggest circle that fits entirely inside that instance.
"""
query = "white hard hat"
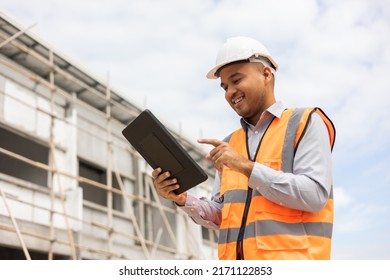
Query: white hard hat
(242, 48)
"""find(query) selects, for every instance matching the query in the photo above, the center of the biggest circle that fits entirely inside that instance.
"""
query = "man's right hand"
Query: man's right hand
(165, 187)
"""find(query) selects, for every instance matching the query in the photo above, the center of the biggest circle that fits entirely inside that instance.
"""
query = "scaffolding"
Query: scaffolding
(64, 85)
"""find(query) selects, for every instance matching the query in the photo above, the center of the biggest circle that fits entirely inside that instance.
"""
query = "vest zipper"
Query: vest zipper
(240, 238)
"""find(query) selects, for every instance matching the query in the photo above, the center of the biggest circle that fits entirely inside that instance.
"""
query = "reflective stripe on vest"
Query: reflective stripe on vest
(272, 231)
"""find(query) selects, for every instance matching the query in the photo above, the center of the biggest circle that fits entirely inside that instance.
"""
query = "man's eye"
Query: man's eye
(236, 81)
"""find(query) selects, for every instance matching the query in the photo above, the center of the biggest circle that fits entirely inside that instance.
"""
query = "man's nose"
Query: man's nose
(230, 92)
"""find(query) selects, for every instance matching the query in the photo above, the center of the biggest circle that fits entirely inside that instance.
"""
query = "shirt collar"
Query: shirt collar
(275, 110)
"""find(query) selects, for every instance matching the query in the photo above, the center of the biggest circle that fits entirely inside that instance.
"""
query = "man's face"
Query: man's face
(245, 89)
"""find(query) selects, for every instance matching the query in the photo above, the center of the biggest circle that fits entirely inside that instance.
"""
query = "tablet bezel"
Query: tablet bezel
(159, 148)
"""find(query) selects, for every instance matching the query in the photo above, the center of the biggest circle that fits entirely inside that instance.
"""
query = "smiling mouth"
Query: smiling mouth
(237, 100)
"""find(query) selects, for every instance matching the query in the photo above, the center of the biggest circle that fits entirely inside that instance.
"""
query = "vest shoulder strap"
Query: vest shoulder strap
(227, 138)
(291, 142)
(288, 151)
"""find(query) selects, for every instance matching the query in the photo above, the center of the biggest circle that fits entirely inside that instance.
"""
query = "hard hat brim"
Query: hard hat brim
(213, 73)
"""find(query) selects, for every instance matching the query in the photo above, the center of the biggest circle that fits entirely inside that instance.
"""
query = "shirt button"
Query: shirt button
(256, 132)
(192, 209)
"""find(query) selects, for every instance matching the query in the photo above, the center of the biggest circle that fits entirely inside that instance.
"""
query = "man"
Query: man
(272, 197)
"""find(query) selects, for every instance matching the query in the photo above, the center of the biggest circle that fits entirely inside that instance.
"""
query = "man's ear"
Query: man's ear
(267, 72)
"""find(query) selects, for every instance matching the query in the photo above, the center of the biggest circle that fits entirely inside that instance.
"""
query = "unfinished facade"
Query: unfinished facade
(71, 187)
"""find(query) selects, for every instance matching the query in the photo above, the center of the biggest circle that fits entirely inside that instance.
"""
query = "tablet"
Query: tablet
(160, 149)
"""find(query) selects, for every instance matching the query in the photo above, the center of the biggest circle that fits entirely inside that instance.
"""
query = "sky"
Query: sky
(332, 54)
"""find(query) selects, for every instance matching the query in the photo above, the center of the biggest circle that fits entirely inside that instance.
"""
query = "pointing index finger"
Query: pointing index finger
(213, 142)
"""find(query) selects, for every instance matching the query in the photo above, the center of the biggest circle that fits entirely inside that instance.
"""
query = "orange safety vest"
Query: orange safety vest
(262, 228)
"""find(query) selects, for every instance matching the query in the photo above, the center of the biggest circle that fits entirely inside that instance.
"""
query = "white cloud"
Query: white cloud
(342, 197)
(358, 218)
(352, 215)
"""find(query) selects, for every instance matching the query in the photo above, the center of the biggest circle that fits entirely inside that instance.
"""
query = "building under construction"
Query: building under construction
(71, 187)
